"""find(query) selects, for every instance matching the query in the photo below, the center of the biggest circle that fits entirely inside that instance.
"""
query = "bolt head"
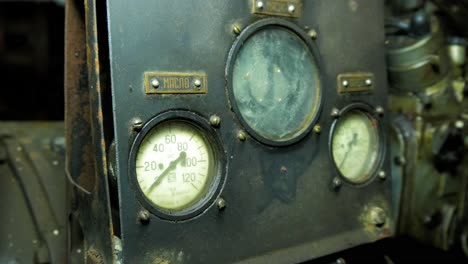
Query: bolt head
(291, 8)
(197, 83)
(155, 83)
(317, 129)
(236, 29)
(382, 175)
(312, 34)
(335, 112)
(221, 204)
(241, 135)
(259, 4)
(377, 216)
(144, 217)
(215, 120)
(137, 124)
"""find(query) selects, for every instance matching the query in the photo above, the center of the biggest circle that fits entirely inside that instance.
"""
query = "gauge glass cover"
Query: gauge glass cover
(175, 165)
(276, 84)
(355, 146)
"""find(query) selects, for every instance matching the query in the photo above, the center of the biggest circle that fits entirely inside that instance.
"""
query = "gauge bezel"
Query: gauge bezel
(250, 31)
(370, 112)
(213, 141)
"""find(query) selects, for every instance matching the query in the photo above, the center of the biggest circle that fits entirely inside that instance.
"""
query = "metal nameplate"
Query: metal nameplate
(175, 83)
(355, 82)
(287, 8)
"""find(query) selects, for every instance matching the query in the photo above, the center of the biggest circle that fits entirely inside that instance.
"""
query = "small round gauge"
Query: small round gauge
(176, 166)
(275, 82)
(355, 145)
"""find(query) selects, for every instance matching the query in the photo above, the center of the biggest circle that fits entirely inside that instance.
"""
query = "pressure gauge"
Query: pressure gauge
(356, 145)
(177, 164)
(274, 81)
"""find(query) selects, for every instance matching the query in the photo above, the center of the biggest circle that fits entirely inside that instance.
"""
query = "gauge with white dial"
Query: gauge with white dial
(175, 165)
(355, 145)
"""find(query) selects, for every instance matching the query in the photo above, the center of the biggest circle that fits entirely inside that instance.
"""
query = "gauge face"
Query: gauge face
(355, 146)
(276, 84)
(175, 165)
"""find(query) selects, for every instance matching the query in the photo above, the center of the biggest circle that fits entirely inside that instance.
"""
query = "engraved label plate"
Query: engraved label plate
(175, 83)
(287, 8)
(355, 82)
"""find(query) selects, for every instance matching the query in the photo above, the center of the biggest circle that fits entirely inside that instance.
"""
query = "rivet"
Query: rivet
(459, 124)
(382, 175)
(241, 135)
(335, 112)
(345, 83)
(215, 120)
(137, 124)
(336, 183)
(221, 204)
(259, 4)
(197, 83)
(377, 216)
(291, 8)
(312, 34)
(55, 232)
(236, 29)
(143, 217)
(317, 129)
(155, 83)
(368, 82)
(400, 161)
(340, 261)
(379, 110)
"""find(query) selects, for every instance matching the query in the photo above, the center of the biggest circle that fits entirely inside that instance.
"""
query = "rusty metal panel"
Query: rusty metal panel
(280, 203)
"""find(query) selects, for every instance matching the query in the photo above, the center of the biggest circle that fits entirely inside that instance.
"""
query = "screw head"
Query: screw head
(137, 124)
(259, 4)
(143, 217)
(377, 216)
(379, 110)
(291, 8)
(197, 83)
(241, 135)
(221, 204)
(345, 83)
(340, 261)
(312, 34)
(459, 124)
(400, 160)
(336, 183)
(317, 129)
(382, 175)
(335, 112)
(215, 120)
(368, 82)
(155, 83)
(236, 29)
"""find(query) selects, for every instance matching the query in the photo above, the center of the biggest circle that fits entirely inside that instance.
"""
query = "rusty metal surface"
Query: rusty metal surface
(86, 146)
(33, 222)
(280, 206)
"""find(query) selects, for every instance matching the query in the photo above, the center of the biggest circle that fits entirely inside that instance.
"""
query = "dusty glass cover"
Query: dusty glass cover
(276, 84)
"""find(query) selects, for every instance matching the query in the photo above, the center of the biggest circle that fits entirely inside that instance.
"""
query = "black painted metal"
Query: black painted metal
(279, 207)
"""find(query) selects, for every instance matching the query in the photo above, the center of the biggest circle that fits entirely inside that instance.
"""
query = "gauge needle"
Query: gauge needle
(172, 165)
(350, 145)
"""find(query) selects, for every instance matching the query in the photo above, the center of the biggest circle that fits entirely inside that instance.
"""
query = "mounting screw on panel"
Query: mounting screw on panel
(197, 83)
(143, 217)
(368, 82)
(379, 110)
(236, 29)
(459, 124)
(345, 83)
(291, 8)
(155, 83)
(312, 34)
(335, 112)
(221, 204)
(336, 183)
(259, 5)
(215, 120)
(137, 124)
(317, 129)
(382, 175)
(241, 135)
(400, 161)
(377, 216)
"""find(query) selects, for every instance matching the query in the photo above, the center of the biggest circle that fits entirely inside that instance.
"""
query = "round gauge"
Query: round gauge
(355, 145)
(275, 82)
(176, 166)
